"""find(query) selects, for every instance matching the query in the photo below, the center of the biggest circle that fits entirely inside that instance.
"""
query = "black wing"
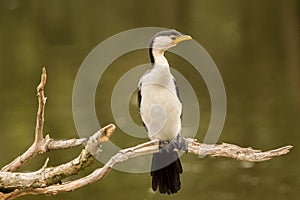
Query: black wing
(178, 95)
(139, 97)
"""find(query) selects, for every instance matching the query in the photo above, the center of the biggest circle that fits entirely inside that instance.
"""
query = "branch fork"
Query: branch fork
(50, 180)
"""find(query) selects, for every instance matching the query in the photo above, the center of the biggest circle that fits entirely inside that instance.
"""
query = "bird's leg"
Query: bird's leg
(179, 143)
(182, 143)
(166, 146)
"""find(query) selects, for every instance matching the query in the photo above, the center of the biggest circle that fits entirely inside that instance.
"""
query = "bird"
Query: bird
(160, 108)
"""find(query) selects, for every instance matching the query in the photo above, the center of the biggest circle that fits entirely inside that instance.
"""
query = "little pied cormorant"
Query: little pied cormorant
(161, 110)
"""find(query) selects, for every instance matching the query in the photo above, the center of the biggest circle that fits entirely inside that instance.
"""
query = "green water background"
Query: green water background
(255, 44)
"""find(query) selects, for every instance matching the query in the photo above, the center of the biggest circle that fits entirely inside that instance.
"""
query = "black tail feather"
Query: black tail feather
(165, 172)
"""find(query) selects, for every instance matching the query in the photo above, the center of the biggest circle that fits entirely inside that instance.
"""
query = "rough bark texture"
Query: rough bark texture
(50, 180)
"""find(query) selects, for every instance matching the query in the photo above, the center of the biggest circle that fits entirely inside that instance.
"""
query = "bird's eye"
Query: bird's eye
(173, 37)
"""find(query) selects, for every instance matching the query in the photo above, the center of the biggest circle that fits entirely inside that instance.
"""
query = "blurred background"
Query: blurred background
(255, 44)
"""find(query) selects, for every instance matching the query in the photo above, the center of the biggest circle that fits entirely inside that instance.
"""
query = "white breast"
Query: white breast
(160, 110)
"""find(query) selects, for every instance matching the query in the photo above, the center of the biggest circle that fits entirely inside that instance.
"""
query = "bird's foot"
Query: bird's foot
(182, 143)
(179, 143)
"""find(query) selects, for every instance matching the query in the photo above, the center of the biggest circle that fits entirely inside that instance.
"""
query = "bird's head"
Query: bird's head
(166, 39)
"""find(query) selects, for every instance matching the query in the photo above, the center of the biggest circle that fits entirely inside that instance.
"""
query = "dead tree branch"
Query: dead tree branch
(50, 180)
(41, 144)
(225, 150)
(52, 175)
(37, 145)
(235, 152)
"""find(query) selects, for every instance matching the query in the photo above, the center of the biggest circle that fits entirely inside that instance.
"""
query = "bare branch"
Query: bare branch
(235, 152)
(41, 108)
(35, 147)
(224, 150)
(49, 180)
(40, 144)
(64, 144)
(12, 181)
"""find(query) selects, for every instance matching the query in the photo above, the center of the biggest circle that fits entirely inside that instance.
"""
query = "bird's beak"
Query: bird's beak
(181, 38)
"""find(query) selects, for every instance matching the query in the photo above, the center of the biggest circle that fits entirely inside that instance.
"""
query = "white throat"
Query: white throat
(159, 58)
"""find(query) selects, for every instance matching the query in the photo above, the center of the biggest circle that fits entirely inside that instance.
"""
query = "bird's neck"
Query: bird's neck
(158, 59)
(160, 73)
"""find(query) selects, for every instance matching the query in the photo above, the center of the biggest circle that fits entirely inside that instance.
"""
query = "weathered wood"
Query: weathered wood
(50, 180)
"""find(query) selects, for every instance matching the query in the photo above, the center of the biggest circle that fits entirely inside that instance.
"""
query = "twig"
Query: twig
(41, 108)
(36, 146)
(225, 150)
(40, 144)
(235, 152)
(49, 180)
(12, 181)
(64, 144)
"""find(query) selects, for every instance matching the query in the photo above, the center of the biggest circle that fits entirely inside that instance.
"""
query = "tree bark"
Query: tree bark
(50, 180)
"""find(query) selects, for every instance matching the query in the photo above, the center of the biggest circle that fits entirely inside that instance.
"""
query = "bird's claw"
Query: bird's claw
(182, 143)
(179, 143)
